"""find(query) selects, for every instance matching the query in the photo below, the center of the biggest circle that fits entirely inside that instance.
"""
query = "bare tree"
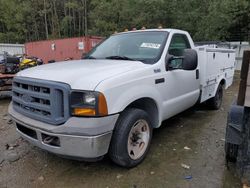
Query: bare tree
(45, 19)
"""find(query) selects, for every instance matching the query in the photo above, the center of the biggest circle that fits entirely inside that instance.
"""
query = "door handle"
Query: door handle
(197, 74)
(160, 80)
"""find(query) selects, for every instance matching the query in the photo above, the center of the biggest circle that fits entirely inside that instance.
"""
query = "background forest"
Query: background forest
(206, 20)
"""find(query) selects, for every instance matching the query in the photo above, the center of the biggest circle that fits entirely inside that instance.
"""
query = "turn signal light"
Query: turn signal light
(102, 105)
(84, 112)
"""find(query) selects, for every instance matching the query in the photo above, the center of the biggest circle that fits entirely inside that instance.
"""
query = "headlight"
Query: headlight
(88, 103)
(89, 99)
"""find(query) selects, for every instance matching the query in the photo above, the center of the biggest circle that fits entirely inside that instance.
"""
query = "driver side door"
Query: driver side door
(182, 87)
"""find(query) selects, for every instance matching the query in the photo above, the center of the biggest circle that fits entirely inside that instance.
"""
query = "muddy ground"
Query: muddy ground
(200, 129)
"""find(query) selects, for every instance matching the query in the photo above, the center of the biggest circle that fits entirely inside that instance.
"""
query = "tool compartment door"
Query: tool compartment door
(218, 64)
(228, 68)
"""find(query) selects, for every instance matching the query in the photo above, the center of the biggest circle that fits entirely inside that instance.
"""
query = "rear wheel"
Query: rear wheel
(131, 138)
(216, 101)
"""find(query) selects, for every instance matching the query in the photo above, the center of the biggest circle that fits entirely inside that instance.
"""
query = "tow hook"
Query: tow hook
(51, 140)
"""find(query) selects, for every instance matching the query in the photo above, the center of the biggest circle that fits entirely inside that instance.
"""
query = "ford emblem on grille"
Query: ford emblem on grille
(27, 98)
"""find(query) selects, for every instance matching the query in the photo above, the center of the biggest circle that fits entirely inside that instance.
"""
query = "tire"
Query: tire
(131, 138)
(215, 102)
(231, 152)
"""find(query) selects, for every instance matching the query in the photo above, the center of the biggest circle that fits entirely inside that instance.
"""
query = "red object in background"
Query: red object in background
(61, 49)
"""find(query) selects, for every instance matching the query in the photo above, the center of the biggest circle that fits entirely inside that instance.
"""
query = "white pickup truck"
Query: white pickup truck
(111, 101)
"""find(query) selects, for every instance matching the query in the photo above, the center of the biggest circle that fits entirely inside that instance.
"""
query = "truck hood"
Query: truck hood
(81, 74)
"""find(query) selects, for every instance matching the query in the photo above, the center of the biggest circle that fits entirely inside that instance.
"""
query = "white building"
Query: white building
(13, 49)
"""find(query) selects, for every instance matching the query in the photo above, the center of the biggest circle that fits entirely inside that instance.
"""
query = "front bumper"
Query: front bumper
(73, 138)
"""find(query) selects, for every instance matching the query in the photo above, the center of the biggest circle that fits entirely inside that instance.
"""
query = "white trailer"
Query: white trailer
(13, 49)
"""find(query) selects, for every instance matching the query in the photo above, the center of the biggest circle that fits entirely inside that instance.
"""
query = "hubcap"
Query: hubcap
(138, 139)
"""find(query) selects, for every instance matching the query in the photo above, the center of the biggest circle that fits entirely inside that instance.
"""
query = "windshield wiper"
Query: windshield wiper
(89, 57)
(120, 58)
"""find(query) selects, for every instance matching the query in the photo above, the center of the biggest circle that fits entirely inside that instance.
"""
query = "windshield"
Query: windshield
(140, 46)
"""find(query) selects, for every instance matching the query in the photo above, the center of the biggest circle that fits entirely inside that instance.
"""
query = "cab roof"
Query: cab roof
(147, 30)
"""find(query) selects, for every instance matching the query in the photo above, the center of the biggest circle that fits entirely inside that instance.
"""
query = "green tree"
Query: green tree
(30, 20)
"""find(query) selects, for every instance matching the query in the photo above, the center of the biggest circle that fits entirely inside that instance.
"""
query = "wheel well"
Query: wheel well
(148, 105)
(223, 83)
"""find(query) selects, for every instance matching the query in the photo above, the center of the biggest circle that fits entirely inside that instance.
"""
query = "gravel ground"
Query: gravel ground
(200, 130)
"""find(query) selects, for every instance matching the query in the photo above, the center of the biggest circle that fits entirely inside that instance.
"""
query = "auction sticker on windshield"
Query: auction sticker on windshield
(150, 45)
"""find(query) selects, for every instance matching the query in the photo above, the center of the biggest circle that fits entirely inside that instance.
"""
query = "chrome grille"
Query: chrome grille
(41, 100)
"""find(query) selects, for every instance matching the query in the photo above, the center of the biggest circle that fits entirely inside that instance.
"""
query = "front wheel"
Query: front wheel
(131, 138)
(216, 101)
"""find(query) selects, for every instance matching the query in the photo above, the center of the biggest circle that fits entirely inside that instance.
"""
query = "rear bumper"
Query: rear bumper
(68, 142)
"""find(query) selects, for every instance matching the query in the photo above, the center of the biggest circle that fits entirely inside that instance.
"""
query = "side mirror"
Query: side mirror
(174, 62)
(190, 60)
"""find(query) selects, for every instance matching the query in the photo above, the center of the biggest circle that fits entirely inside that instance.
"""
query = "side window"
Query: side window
(177, 46)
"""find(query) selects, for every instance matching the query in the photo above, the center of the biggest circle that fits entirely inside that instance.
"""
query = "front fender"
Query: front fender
(217, 85)
(118, 101)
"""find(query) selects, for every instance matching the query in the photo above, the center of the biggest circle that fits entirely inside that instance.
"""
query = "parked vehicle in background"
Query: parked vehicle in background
(111, 101)
(9, 64)
(28, 62)
(8, 68)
